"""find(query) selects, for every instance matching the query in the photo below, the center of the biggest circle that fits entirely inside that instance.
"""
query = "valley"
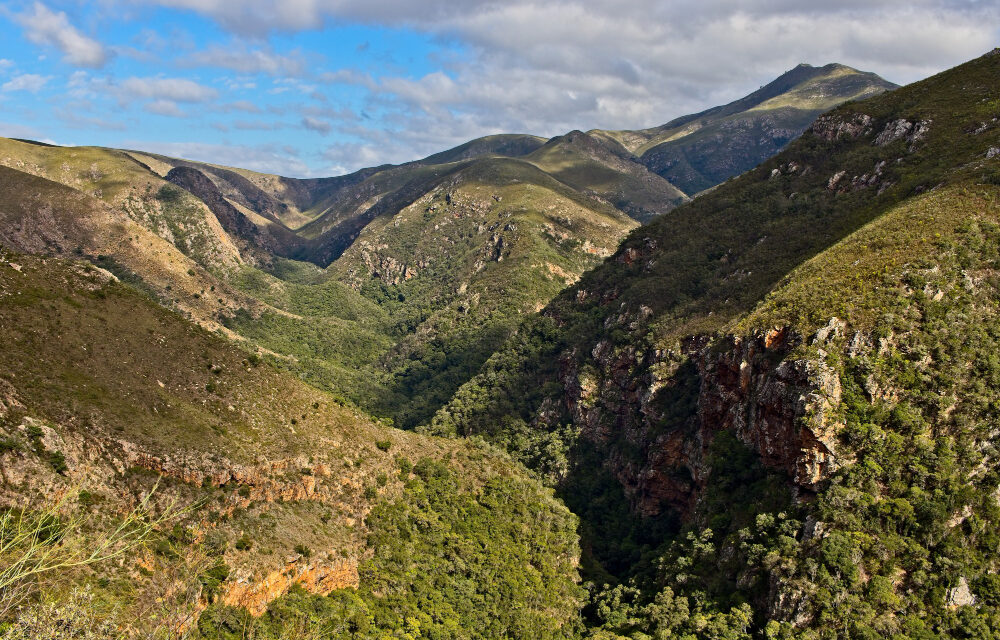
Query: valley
(728, 377)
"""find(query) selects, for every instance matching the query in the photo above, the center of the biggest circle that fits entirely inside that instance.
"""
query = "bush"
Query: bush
(212, 579)
(57, 461)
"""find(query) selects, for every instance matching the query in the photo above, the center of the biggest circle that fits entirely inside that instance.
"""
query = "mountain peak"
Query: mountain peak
(688, 151)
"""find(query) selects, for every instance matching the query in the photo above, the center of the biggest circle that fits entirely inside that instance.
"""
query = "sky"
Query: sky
(311, 88)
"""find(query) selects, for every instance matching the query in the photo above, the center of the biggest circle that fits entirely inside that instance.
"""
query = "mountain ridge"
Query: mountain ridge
(765, 412)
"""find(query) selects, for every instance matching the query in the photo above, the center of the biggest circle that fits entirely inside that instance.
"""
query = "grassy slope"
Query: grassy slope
(126, 218)
(124, 387)
(133, 238)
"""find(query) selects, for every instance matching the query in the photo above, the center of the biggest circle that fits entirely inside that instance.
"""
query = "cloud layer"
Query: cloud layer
(438, 72)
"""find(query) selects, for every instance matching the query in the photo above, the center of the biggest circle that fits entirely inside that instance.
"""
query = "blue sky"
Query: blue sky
(321, 87)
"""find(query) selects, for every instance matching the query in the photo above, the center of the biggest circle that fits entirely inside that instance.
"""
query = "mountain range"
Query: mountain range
(727, 377)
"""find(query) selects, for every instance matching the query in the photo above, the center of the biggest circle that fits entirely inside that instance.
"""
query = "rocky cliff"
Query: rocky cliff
(783, 408)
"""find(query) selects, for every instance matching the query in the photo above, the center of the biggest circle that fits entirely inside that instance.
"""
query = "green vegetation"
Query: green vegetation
(411, 311)
(259, 490)
(902, 253)
(448, 563)
(894, 533)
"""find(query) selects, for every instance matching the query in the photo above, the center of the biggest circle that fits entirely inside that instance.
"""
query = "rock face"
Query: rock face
(903, 129)
(784, 412)
(960, 595)
(318, 578)
(108, 466)
(781, 408)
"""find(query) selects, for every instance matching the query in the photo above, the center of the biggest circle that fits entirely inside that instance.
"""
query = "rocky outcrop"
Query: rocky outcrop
(836, 127)
(318, 577)
(901, 129)
(839, 127)
(385, 267)
(784, 411)
(626, 400)
(960, 595)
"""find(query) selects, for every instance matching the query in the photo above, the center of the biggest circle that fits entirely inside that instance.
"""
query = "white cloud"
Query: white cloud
(77, 121)
(165, 108)
(159, 88)
(245, 60)
(255, 125)
(257, 18)
(46, 27)
(241, 105)
(26, 82)
(549, 67)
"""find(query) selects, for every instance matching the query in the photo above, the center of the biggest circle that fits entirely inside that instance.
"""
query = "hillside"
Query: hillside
(698, 151)
(234, 332)
(293, 507)
(789, 381)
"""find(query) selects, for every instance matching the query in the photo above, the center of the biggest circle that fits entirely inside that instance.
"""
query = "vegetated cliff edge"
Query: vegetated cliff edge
(814, 310)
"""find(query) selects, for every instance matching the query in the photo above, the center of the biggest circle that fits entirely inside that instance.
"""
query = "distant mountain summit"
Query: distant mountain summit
(698, 151)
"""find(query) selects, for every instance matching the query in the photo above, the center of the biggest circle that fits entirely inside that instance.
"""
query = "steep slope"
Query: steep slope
(276, 198)
(701, 150)
(105, 396)
(798, 332)
(459, 267)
